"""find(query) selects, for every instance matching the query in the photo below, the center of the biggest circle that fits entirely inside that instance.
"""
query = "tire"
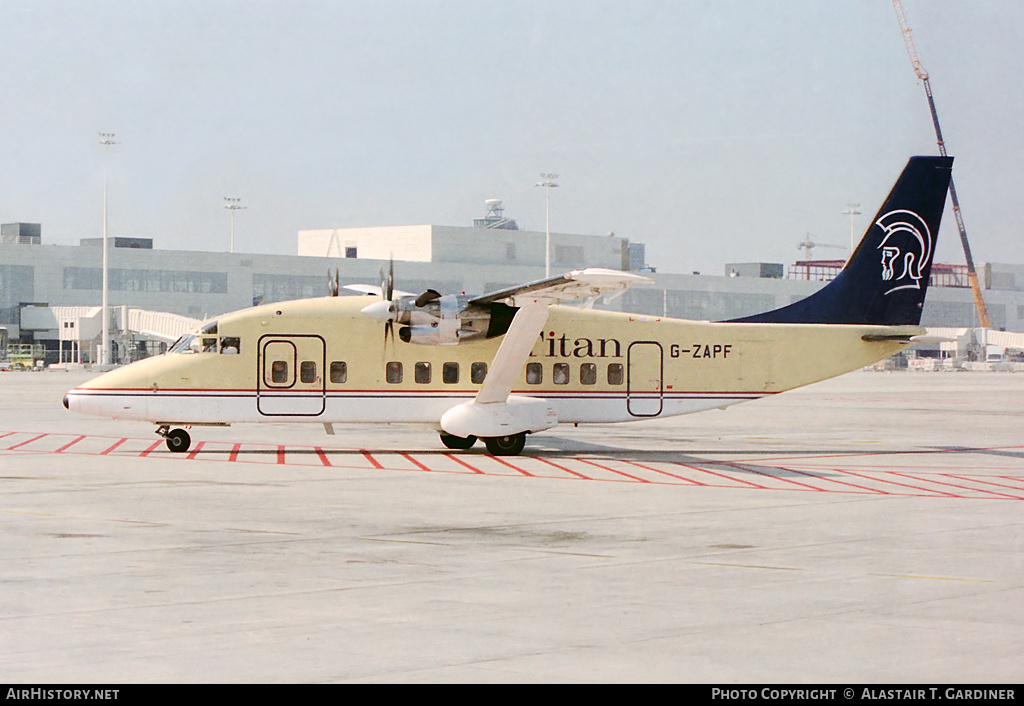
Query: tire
(458, 442)
(506, 445)
(178, 440)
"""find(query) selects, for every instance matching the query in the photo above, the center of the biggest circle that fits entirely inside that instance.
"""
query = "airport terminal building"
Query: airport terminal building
(50, 294)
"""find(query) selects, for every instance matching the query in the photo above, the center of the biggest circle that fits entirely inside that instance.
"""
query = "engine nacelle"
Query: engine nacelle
(445, 321)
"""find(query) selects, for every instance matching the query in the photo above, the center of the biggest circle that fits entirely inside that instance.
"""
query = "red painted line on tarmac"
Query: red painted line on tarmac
(833, 480)
(233, 456)
(563, 468)
(414, 462)
(280, 454)
(976, 479)
(150, 449)
(638, 479)
(36, 438)
(114, 446)
(765, 474)
(69, 444)
(962, 487)
(513, 467)
(7, 433)
(461, 462)
(323, 457)
(902, 485)
(369, 457)
(665, 473)
(722, 475)
(196, 450)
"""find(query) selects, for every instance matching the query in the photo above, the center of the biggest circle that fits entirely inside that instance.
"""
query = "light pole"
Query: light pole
(232, 205)
(547, 181)
(107, 140)
(852, 212)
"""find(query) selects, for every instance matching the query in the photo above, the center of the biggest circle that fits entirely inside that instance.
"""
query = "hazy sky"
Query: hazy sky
(711, 131)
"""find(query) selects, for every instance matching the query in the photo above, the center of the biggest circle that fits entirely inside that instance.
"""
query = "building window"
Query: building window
(350, 252)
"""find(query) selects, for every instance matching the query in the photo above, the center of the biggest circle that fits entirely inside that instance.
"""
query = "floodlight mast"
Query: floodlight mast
(972, 275)
(233, 204)
(107, 140)
(548, 183)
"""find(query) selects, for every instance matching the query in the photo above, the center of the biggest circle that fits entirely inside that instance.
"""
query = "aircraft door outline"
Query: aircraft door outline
(645, 386)
(286, 385)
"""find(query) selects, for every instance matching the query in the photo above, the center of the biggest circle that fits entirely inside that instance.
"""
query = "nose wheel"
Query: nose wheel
(177, 440)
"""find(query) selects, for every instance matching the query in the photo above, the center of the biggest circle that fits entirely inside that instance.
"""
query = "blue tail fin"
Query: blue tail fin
(886, 277)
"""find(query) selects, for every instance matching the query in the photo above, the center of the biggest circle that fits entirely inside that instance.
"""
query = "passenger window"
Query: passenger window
(615, 373)
(450, 373)
(477, 372)
(534, 373)
(339, 371)
(393, 372)
(279, 372)
(422, 373)
(588, 374)
(561, 374)
(230, 345)
(307, 371)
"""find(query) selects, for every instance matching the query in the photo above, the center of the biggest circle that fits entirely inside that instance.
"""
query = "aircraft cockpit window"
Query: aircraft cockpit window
(477, 373)
(307, 371)
(209, 345)
(588, 374)
(534, 373)
(615, 373)
(230, 345)
(561, 374)
(339, 371)
(209, 329)
(422, 373)
(450, 373)
(176, 346)
(393, 372)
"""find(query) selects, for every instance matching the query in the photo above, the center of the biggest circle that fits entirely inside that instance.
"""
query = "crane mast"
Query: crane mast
(972, 275)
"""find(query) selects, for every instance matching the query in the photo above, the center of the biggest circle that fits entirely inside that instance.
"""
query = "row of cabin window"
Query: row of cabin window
(560, 373)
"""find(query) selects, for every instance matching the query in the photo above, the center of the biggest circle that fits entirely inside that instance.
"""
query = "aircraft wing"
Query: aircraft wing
(532, 300)
(577, 284)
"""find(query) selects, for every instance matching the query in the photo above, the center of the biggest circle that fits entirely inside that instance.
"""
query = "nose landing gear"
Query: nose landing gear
(177, 440)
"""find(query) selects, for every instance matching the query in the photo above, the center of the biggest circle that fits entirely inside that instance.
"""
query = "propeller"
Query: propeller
(386, 309)
(332, 284)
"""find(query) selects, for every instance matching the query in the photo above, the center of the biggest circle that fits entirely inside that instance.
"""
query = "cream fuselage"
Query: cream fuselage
(321, 360)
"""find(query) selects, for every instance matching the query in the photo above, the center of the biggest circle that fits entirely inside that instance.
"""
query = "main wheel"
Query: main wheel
(178, 440)
(458, 442)
(506, 445)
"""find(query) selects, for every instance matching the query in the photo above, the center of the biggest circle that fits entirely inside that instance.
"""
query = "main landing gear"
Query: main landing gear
(511, 445)
(177, 440)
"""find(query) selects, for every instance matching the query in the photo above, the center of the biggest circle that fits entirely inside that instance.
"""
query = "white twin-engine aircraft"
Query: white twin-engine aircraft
(500, 366)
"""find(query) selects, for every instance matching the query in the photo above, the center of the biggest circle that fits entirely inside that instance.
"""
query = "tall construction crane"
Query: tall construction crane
(972, 275)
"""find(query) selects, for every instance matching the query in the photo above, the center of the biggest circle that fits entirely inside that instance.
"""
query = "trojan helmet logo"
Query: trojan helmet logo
(906, 249)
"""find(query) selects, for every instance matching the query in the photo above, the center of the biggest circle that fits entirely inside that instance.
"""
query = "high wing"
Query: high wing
(495, 412)
(532, 300)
